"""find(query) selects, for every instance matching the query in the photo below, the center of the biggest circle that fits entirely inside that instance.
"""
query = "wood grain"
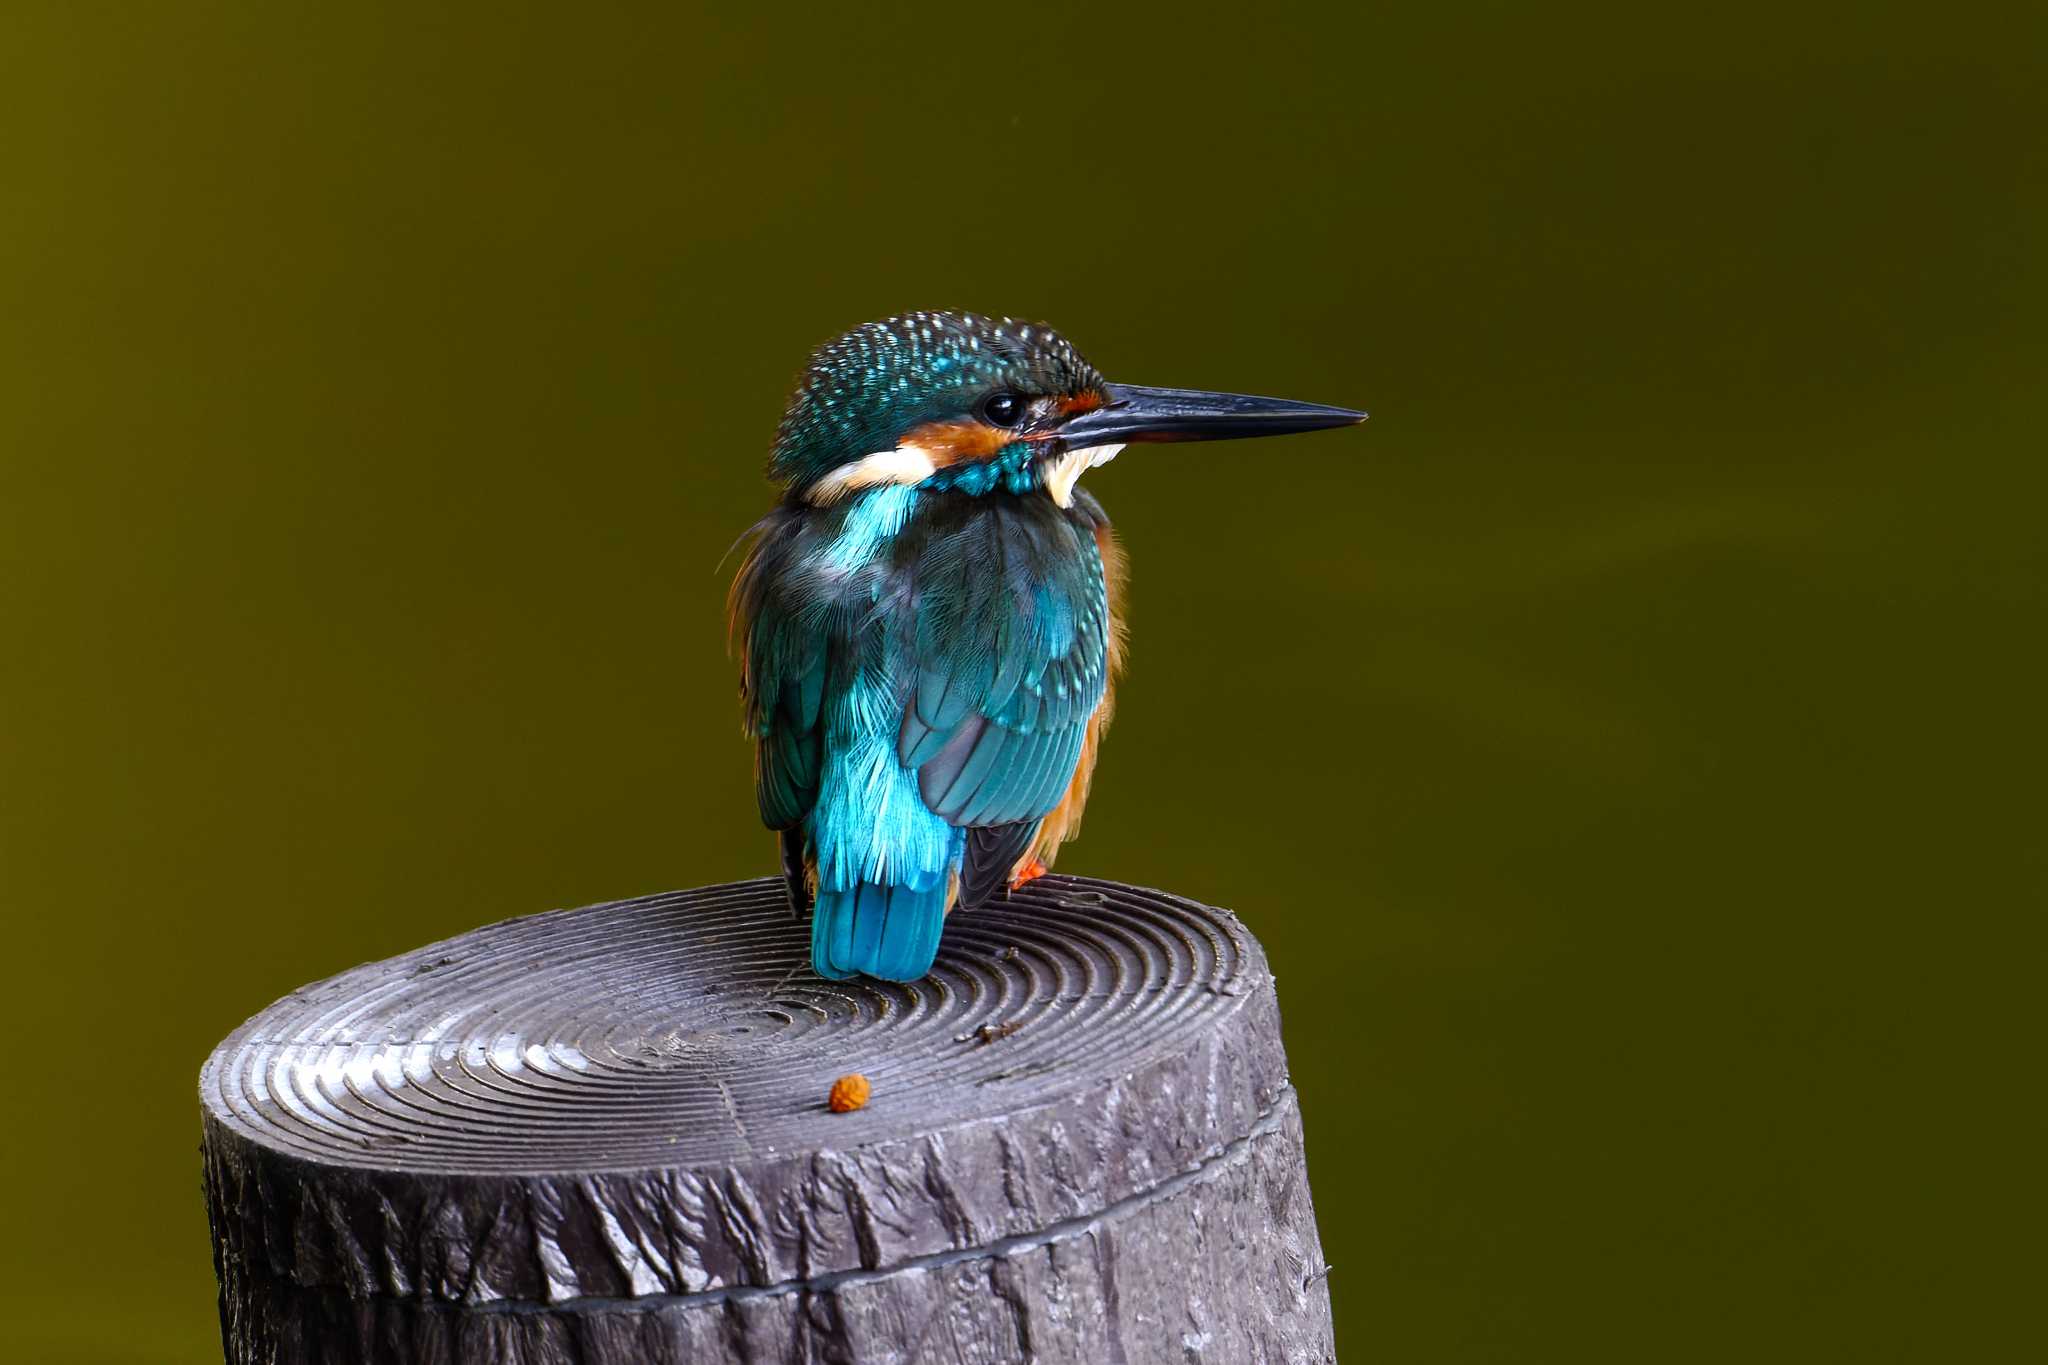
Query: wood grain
(601, 1135)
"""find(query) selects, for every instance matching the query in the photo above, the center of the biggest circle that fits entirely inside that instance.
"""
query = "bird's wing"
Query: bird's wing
(1009, 659)
(785, 655)
(789, 739)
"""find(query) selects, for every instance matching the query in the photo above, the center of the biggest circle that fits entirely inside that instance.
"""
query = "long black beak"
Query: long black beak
(1136, 413)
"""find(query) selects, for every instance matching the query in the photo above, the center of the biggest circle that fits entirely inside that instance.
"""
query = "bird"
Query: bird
(929, 621)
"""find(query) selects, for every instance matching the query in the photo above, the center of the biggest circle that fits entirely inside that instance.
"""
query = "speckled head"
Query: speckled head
(942, 377)
(958, 401)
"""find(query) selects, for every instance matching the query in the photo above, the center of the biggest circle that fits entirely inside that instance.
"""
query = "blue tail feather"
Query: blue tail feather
(891, 932)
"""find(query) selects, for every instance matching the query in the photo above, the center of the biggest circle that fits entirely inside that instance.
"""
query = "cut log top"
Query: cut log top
(629, 1100)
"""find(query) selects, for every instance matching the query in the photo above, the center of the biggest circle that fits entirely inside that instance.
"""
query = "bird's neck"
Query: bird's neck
(1013, 470)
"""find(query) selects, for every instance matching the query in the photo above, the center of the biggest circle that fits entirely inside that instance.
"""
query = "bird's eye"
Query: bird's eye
(1003, 409)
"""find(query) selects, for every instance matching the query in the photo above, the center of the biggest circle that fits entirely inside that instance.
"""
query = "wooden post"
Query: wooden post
(601, 1135)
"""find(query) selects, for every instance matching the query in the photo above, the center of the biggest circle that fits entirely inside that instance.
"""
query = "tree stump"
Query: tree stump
(601, 1135)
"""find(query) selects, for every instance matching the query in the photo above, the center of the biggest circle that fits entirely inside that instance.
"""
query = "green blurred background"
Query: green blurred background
(1627, 745)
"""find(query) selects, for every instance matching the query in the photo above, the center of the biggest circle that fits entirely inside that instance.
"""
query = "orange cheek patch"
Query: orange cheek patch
(1079, 402)
(948, 443)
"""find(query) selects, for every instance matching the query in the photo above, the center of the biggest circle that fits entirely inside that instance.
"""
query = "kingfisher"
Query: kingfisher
(930, 624)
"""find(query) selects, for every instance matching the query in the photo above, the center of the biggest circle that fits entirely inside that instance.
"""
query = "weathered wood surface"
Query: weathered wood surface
(600, 1135)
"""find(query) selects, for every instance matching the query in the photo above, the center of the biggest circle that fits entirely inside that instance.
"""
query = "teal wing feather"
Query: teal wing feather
(786, 721)
(787, 655)
(1010, 658)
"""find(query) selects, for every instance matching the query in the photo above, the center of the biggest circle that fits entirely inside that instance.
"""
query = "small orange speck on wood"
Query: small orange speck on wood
(848, 1093)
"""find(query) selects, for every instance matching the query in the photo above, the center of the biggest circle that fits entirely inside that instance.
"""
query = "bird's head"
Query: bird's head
(984, 405)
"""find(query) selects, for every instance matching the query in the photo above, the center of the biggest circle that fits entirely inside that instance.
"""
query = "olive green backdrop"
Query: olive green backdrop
(1627, 745)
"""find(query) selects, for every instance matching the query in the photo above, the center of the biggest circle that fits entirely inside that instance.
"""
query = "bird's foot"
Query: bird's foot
(1030, 872)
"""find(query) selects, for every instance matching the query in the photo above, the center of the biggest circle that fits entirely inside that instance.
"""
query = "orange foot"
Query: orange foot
(1030, 872)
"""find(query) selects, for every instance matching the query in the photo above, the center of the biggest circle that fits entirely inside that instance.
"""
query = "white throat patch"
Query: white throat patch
(1063, 473)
